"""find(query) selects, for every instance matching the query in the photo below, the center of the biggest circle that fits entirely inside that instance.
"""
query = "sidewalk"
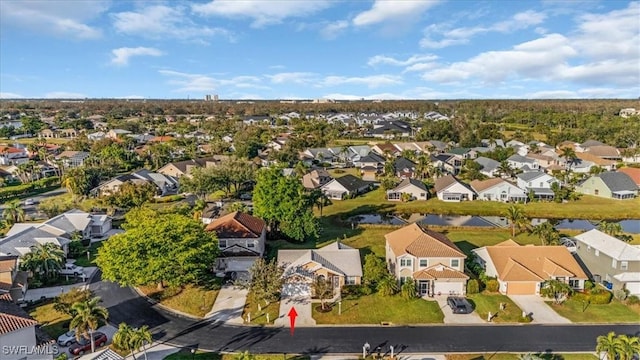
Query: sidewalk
(51, 292)
(157, 351)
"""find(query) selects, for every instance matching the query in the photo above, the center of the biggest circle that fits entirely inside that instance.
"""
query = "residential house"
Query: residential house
(429, 258)
(386, 149)
(344, 187)
(610, 260)
(10, 155)
(241, 239)
(12, 281)
(391, 129)
(47, 134)
(634, 174)
(448, 188)
(71, 159)
(184, 168)
(609, 165)
(489, 166)
(546, 161)
(523, 270)
(497, 189)
(336, 262)
(320, 155)
(538, 182)
(315, 179)
(463, 153)
(520, 162)
(165, 184)
(404, 168)
(19, 331)
(370, 173)
(604, 152)
(415, 189)
(587, 144)
(610, 185)
(447, 162)
(98, 135)
(371, 159)
(117, 133)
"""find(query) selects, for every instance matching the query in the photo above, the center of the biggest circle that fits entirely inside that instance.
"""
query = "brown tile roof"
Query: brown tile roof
(603, 151)
(481, 185)
(439, 271)
(594, 159)
(10, 323)
(161, 139)
(533, 263)
(634, 174)
(419, 242)
(8, 263)
(444, 181)
(237, 225)
(6, 297)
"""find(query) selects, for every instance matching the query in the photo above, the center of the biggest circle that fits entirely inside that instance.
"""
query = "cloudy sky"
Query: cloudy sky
(307, 49)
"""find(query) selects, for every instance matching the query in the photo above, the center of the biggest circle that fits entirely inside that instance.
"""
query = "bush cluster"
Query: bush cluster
(473, 287)
(352, 292)
(492, 285)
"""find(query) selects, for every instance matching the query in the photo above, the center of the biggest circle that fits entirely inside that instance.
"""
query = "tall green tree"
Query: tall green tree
(517, 218)
(44, 260)
(130, 195)
(201, 182)
(64, 302)
(87, 319)
(322, 289)
(266, 281)
(609, 345)
(373, 270)
(547, 233)
(629, 347)
(158, 249)
(13, 212)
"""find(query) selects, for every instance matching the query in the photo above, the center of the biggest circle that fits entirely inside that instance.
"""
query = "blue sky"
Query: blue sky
(259, 49)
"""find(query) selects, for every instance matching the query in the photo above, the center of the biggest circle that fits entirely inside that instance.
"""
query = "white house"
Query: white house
(19, 331)
(498, 189)
(344, 187)
(538, 182)
(448, 188)
(522, 163)
(10, 155)
(416, 189)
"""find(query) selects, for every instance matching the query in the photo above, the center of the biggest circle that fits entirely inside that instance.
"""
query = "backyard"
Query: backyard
(376, 309)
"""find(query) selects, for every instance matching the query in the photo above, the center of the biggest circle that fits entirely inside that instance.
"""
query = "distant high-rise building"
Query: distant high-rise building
(211, 97)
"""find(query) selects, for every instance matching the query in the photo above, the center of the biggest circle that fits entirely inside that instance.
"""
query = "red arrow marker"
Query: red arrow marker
(292, 318)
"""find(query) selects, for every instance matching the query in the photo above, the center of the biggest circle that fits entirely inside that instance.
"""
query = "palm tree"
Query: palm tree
(318, 198)
(13, 212)
(610, 228)
(505, 169)
(546, 232)
(517, 218)
(387, 285)
(569, 156)
(629, 346)
(45, 259)
(122, 339)
(141, 337)
(87, 319)
(609, 345)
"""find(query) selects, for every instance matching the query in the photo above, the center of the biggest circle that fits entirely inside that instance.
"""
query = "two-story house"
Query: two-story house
(10, 155)
(315, 179)
(241, 239)
(429, 258)
(523, 270)
(538, 182)
(610, 260)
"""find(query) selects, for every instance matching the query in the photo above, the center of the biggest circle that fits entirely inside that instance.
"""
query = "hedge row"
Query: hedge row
(24, 189)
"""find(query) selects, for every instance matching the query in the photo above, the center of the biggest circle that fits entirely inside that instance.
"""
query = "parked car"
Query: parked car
(29, 202)
(67, 338)
(246, 196)
(84, 345)
(71, 269)
(459, 305)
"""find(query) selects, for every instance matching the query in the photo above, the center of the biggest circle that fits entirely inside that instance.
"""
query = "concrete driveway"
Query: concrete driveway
(228, 305)
(540, 312)
(451, 318)
(303, 309)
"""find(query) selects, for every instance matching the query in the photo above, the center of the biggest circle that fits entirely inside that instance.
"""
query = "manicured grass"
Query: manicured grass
(506, 356)
(91, 261)
(259, 317)
(489, 302)
(588, 207)
(186, 355)
(614, 312)
(342, 172)
(195, 301)
(57, 141)
(375, 309)
(53, 322)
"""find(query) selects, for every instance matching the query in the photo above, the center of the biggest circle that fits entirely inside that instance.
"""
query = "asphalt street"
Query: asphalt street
(125, 305)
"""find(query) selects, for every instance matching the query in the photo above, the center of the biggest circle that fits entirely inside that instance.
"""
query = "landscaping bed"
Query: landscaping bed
(190, 299)
(486, 302)
(259, 317)
(376, 309)
(614, 312)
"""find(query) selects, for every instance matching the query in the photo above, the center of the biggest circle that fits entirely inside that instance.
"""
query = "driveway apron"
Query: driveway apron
(451, 318)
(228, 305)
(303, 309)
(540, 312)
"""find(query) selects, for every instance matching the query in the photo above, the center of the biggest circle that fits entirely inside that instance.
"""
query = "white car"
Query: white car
(72, 269)
(29, 202)
(67, 338)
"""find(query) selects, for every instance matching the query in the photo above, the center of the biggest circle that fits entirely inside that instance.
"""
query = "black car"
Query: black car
(459, 305)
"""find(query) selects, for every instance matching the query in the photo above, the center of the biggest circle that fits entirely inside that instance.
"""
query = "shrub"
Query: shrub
(168, 199)
(473, 287)
(492, 285)
(620, 294)
(601, 298)
(409, 290)
(353, 291)
(588, 285)
(525, 319)
(76, 249)
(633, 300)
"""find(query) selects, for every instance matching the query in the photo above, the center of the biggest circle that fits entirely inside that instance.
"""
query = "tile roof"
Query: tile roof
(10, 323)
(237, 225)
(481, 185)
(443, 182)
(603, 151)
(439, 271)
(634, 174)
(419, 242)
(594, 159)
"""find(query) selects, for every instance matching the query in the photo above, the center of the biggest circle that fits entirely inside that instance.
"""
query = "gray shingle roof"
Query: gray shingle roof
(487, 164)
(528, 176)
(618, 181)
(351, 183)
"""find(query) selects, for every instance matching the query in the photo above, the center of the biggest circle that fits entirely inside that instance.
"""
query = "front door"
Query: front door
(423, 287)
(336, 282)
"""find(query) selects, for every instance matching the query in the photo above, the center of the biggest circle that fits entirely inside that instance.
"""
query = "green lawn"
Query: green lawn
(259, 317)
(490, 302)
(588, 207)
(195, 301)
(506, 356)
(614, 312)
(91, 261)
(53, 322)
(375, 309)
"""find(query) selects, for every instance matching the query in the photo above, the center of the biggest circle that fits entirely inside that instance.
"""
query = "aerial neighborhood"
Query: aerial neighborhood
(355, 213)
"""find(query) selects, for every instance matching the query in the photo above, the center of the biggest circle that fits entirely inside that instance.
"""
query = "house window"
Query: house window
(223, 244)
(424, 262)
(423, 194)
(455, 263)
(350, 280)
(251, 245)
(597, 252)
(596, 192)
(624, 265)
(405, 262)
(614, 263)
(574, 283)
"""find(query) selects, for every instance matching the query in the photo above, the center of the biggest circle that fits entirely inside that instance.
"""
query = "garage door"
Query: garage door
(296, 289)
(446, 288)
(634, 288)
(521, 288)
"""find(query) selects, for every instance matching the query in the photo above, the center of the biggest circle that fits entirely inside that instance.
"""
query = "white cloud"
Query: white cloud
(333, 29)
(372, 81)
(161, 21)
(441, 35)
(8, 95)
(262, 12)
(58, 18)
(122, 55)
(293, 77)
(132, 97)
(383, 11)
(387, 60)
(552, 94)
(64, 95)
(186, 82)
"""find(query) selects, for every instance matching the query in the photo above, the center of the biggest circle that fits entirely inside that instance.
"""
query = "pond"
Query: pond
(628, 226)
